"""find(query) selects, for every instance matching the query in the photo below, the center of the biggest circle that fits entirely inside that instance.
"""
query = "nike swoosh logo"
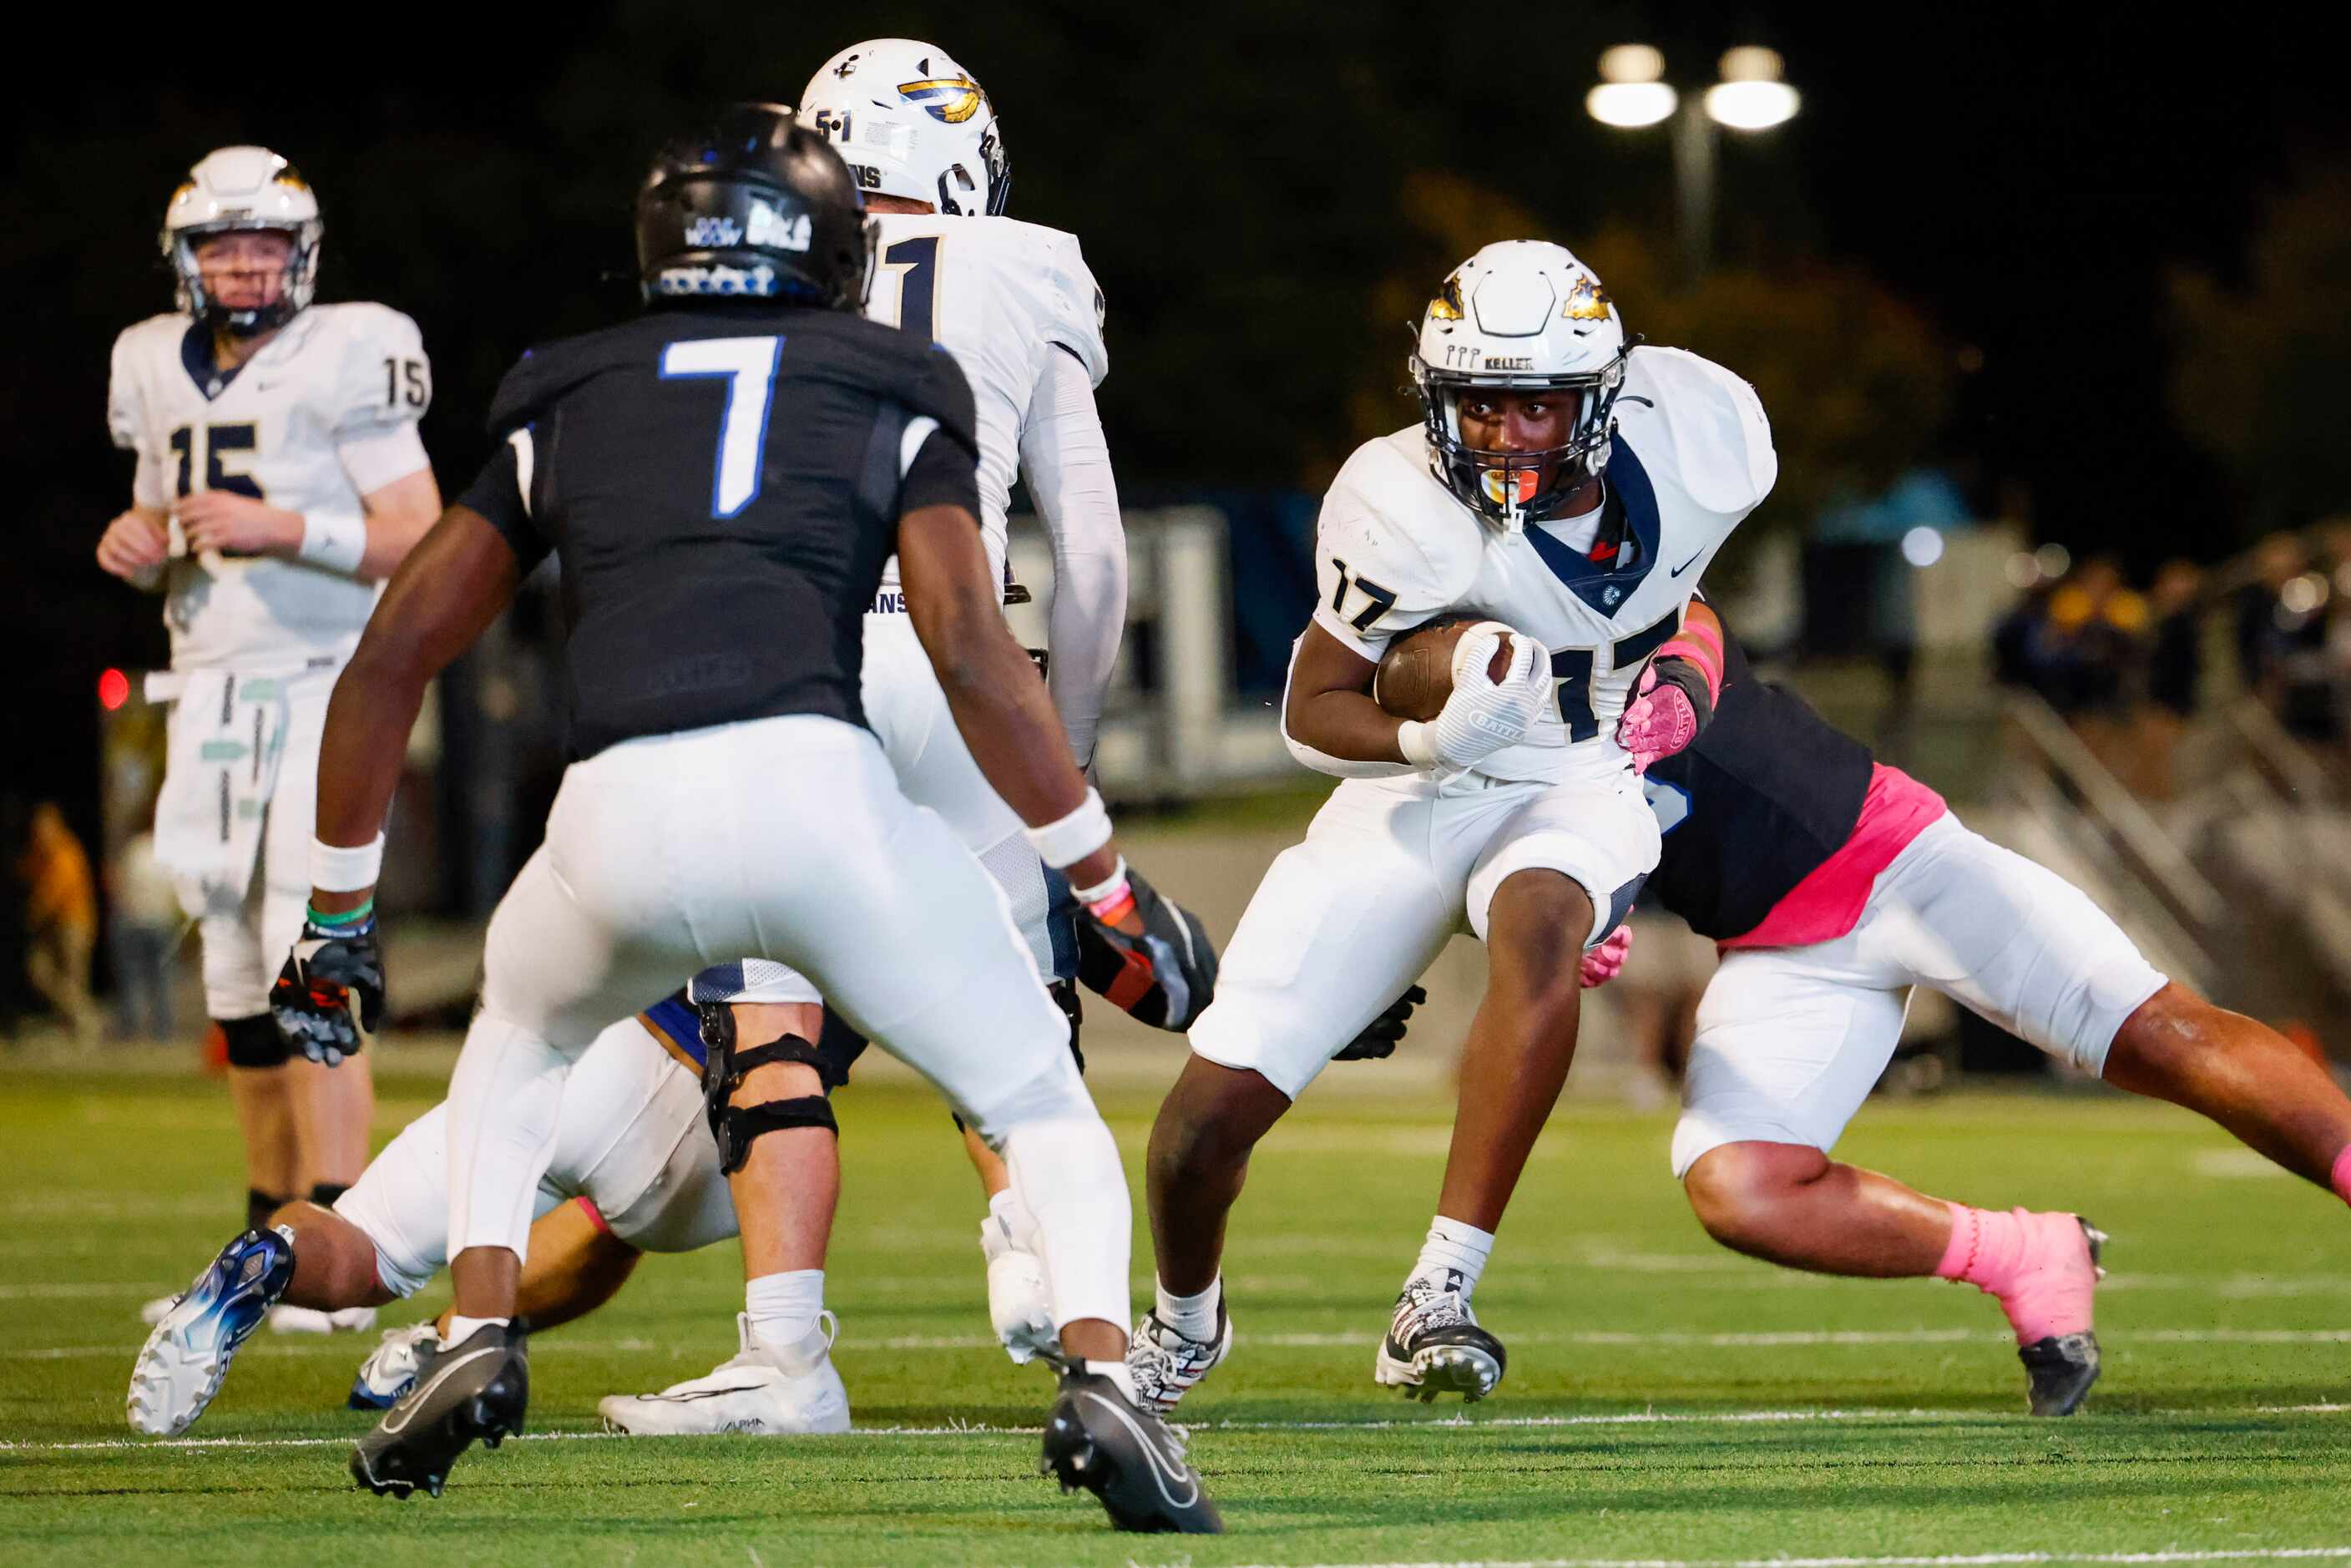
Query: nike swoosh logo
(1685, 566)
(1161, 1472)
(698, 1394)
(408, 1407)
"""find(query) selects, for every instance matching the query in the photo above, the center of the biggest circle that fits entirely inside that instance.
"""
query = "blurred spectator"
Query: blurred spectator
(60, 918)
(145, 924)
(2102, 627)
(2175, 671)
(2277, 560)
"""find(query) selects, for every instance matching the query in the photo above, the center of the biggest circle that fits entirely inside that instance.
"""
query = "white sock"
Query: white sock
(783, 1307)
(461, 1329)
(1013, 1220)
(1117, 1372)
(1463, 1248)
(1193, 1317)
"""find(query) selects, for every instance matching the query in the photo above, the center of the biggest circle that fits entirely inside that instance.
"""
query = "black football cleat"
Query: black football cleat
(478, 1388)
(1435, 1346)
(1100, 1440)
(2060, 1368)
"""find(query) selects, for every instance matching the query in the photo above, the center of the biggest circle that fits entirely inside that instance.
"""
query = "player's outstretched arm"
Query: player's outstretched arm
(450, 588)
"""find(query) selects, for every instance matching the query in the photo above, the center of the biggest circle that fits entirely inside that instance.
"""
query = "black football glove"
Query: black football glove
(1164, 977)
(1378, 1040)
(328, 969)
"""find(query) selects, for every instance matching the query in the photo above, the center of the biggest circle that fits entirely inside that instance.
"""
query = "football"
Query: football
(1416, 674)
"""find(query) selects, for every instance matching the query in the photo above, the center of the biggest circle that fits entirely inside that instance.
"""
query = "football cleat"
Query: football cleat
(1098, 1439)
(1166, 1366)
(390, 1370)
(283, 1318)
(478, 1387)
(1434, 1345)
(762, 1391)
(1019, 1307)
(2060, 1368)
(180, 1368)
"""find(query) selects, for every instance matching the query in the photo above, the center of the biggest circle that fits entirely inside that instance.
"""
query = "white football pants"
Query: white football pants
(784, 839)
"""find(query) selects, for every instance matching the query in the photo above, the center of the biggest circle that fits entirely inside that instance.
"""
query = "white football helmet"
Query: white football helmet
(1522, 314)
(911, 124)
(242, 188)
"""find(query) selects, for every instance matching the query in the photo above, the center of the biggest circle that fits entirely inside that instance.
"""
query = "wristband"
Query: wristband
(1412, 740)
(1075, 836)
(1105, 889)
(336, 868)
(336, 540)
(345, 923)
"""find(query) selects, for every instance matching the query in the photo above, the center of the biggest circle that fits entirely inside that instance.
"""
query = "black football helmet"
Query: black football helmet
(753, 206)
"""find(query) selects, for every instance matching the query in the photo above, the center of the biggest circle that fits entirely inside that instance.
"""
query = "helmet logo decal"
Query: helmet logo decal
(711, 234)
(1585, 300)
(1447, 306)
(845, 67)
(949, 99)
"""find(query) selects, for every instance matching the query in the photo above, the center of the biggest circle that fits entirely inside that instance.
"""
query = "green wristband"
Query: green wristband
(348, 917)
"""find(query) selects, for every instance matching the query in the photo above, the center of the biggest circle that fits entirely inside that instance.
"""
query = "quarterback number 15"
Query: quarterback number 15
(404, 381)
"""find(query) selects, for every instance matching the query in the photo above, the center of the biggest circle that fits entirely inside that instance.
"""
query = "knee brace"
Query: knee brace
(253, 1041)
(735, 1127)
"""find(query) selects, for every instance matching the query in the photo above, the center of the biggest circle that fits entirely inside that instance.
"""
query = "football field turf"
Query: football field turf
(1666, 1401)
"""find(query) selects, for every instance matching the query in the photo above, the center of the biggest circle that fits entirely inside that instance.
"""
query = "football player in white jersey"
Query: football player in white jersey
(279, 480)
(1016, 305)
(1572, 487)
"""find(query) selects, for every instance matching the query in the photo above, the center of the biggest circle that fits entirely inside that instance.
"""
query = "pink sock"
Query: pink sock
(2037, 1266)
(2340, 1177)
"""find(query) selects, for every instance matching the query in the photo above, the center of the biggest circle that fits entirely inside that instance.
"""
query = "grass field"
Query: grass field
(1666, 1402)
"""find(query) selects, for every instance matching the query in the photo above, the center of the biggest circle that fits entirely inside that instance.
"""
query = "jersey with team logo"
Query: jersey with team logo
(1000, 295)
(325, 413)
(1692, 456)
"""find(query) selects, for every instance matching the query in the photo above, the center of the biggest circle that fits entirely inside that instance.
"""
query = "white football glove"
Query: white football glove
(1483, 716)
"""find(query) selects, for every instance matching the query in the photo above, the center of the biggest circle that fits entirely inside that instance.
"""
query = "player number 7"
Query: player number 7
(749, 364)
(1572, 668)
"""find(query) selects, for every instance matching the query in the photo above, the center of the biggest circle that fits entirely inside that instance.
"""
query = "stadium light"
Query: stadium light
(1750, 96)
(1634, 94)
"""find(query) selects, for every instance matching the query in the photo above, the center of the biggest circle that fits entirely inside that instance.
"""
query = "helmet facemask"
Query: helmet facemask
(296, 286)
(1511, 488)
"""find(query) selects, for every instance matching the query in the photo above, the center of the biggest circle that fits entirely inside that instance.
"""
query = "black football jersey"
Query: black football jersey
(722, 486)
(1768, 792)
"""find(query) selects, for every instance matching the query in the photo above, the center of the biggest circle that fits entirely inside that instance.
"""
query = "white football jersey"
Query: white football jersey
(325, 413)
(999, 295)
(1394, 548)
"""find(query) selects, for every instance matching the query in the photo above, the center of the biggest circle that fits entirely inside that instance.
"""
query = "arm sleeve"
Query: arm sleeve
(1076, 312)
(387, 385)
(501, 494)
(1066, 463)
(151, 480)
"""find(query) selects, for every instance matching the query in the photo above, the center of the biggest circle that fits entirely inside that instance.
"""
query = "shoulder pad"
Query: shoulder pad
(1702, 425)
(1076, 308)
(385, 378)
(1389, 535)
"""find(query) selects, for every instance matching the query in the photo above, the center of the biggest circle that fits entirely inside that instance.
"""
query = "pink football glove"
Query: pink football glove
(1603, 963)
(1665, 713)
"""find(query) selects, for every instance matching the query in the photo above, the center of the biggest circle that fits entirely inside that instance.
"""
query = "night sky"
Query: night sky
(1237, 176)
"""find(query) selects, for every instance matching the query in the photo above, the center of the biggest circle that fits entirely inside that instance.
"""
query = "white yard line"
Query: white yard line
(1957, 1560)
(1446, 1423)
(357, 1345)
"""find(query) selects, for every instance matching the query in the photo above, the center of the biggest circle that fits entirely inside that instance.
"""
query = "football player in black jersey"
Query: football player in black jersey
(723, 478)
(1834, 884)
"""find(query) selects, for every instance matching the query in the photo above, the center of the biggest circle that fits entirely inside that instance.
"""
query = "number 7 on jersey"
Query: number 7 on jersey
(749, 364)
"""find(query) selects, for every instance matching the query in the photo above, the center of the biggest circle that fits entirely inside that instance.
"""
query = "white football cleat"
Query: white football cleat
(761, 1392)
(283, 1318)
(1019, 1306)
(1166, 1366)
(180, 1367)
(390, 1367)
